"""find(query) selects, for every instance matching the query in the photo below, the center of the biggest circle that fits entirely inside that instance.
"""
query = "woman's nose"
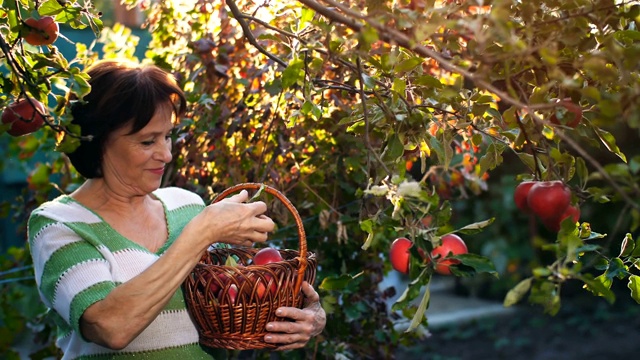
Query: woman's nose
(164, 152)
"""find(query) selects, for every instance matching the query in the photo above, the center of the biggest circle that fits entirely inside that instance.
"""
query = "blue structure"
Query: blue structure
(13, 172)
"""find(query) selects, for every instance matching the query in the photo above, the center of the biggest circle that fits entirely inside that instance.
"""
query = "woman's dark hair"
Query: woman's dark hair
(122, 93)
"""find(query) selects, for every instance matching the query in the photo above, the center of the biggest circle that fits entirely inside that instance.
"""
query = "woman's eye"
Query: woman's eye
(147, 143)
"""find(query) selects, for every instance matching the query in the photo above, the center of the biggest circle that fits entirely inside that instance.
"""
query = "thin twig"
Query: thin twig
(249, 35)
(363, 100)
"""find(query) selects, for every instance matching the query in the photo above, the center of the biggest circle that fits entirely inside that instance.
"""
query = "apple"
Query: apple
(520, 195)
(399, 254)
(570, 113)
(262, 286)
(266, 256)
(43, 31)
(549, 199)
(233, 294)
(24, 115)
(216, 285)
(553, 224)
(451, 244)
(427, 221)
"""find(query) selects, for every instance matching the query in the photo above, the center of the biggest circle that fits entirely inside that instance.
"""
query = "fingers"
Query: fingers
(306, 323)
(311, 295)
(240, 197)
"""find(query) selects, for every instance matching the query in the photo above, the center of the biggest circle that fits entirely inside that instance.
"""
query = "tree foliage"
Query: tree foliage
(374, 115)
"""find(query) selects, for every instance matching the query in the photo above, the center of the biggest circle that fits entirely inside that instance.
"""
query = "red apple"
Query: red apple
(554, 224)
(399, 254)
(427, 221)
(43, 31)
(570, 114)
(520, 195)
(266, 256)
(262, 286)
(451, 245)
(24, 115)
(549, 199)
(216, 285)
(233, 294)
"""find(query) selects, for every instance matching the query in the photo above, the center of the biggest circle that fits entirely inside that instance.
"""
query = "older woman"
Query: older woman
(110, 258)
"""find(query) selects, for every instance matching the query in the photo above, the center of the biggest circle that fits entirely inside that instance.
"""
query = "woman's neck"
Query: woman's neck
(98, 196)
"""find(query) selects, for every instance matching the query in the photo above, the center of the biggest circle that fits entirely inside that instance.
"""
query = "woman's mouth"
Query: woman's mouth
(158, 171)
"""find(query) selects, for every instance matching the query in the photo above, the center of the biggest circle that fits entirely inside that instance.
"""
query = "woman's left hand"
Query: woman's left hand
(306, 323)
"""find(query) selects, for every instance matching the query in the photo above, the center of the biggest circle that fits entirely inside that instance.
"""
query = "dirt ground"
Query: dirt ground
(586, 328)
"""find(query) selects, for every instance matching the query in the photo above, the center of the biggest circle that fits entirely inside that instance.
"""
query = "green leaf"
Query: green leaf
(609, 142)
(394, 148)
(478, 263)
(627, 246)
(336, 282)
(517, 293)
(600, 286)
(634, 286)
(428, 81)
(582, 172)
(419, 315)
(293, 74)
(616, 268)
(492, 158)
(50, 7)
(408, 64)
(399, 86)
(475, 227)
(367, 226)
(546, 293)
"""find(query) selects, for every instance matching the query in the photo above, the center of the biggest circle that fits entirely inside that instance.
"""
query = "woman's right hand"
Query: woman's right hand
(233, 221)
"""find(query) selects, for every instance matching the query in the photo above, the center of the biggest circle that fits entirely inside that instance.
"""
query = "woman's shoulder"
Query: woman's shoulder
(64, 209)
(175, 197)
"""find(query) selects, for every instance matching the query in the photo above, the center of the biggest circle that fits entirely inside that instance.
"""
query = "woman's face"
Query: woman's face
(135, 163)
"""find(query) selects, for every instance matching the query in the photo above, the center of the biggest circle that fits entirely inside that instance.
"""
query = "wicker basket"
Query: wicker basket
(231, 305)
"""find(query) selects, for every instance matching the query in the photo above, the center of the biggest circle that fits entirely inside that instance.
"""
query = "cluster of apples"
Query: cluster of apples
(549, 200)
(27, 114)
(262, 257)
(452, 244)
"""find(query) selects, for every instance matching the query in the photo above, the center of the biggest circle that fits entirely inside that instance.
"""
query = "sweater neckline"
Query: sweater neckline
(160, 250)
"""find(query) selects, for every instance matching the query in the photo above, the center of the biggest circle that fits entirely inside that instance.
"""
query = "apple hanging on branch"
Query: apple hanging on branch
(452, 244)
(24, 116)
(567, 113)
(42, 31)
(549, 200)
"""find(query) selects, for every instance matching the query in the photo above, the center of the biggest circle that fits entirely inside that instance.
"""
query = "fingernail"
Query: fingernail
(279, 312)
(269, 327)
(268, 338)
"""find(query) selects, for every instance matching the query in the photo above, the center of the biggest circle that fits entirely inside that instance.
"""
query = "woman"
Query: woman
(110, 258)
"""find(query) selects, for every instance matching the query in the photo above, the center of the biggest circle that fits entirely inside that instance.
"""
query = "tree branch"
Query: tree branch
(249, 35)
(393, 36)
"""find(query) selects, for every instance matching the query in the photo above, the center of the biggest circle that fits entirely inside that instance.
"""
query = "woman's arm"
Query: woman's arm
(120, 317)
(308, 322)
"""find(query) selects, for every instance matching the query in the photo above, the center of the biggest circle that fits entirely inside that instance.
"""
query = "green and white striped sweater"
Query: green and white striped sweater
(78, 259)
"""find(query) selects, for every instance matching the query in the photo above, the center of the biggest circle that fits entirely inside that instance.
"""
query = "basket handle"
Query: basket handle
(301, 234)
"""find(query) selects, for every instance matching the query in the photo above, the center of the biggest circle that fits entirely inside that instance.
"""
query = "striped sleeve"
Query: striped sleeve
(70, 272)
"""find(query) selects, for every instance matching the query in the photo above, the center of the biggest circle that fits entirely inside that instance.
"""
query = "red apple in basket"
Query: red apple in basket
(266, 256)
(216, 285)
(262, 257)
(261, 285)
(233, 293)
